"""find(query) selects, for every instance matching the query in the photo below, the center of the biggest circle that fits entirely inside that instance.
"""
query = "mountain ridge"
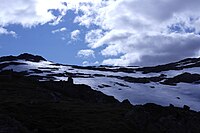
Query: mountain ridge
(41, 97)
(138, 84)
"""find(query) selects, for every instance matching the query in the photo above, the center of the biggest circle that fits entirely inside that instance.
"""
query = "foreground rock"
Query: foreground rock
(152, 118)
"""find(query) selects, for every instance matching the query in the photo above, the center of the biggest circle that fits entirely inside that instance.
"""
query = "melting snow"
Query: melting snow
(137, 93)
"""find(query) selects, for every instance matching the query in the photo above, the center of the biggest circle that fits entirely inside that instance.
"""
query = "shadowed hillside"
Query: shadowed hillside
(30, 106)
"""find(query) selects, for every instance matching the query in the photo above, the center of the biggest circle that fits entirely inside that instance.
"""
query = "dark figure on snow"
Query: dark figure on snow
(70, 80)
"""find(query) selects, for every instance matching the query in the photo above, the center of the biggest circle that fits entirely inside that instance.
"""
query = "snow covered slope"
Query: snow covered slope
(176, 83)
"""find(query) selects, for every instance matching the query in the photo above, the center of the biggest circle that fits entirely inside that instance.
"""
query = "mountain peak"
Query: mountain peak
(30, 57)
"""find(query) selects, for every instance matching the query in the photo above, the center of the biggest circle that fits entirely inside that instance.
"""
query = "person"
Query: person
(70, 80)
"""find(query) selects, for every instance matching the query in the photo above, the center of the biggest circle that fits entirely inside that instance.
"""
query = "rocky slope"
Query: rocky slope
(28, 105)
(176, 83)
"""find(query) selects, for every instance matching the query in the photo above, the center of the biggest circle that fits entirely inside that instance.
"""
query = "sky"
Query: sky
(101, 32)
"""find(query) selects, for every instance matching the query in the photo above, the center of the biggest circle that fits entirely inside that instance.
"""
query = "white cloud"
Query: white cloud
(146, 50)
(92, 38)
(6, 32)
(87, 63)
(129, 32)
(33, 12)
(75, 34)
(144, 32)
(63, 29)
(59, 30)
(86, 53)
(30, 13)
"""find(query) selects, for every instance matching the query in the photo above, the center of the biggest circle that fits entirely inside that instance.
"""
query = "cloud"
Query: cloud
(128, 32)
(30, 12)
(59, 30)
(86, 53)
(143, 32)
(147, 51)
(93, 36)
(86, 63)
(75, 34)
(6, 32)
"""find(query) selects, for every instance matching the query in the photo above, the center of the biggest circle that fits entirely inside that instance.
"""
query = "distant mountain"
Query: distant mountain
(176, 83)
(39, 96)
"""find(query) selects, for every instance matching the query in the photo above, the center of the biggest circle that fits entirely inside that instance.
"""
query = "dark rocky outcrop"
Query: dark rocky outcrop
(30, 57)
(11, 125)
(184, 77)
(8, 58)
(79, 91)
(186, 63)
(135, 80)
(152, 118)
(142, 79)
(4, 65)
(74, 75)
(36, 71)
(122, 85)
(25, 56)
(103, 86)
(109, 69)
(126, 103)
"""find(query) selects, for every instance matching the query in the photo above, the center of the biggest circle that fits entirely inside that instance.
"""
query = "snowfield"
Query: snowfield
(109, 83)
